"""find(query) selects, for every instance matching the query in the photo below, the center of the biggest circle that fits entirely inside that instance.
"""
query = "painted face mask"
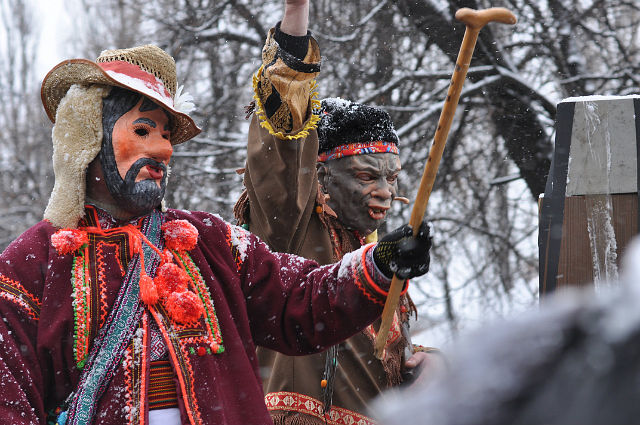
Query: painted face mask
(361, 188)
(135, 152)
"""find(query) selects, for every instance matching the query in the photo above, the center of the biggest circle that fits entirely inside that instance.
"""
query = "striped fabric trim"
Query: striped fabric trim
(362, 148)
(395, 332)
(363, 265)
(180, 359)
(238, 240)
(162, 388)
(14, 292)
(295, 402)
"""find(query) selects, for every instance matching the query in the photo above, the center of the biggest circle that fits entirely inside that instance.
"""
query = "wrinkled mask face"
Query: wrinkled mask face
(361, 188)
(135, 152)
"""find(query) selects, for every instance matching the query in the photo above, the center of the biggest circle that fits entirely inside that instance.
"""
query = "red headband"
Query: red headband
(358, 149)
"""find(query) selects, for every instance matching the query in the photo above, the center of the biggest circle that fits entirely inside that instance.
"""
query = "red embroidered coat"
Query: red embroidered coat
(256, 297)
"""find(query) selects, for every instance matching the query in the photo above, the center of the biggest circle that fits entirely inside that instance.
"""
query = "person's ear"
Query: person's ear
(323, 175)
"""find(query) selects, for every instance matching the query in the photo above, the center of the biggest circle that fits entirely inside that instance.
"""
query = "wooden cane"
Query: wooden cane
(474, 21)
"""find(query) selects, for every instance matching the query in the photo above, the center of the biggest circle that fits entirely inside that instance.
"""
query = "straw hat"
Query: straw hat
(147, 70)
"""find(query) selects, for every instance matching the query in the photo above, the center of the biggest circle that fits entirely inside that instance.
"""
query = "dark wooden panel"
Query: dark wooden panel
(575, 267)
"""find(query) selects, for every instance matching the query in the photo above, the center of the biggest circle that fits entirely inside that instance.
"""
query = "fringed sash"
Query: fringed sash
(109, 346)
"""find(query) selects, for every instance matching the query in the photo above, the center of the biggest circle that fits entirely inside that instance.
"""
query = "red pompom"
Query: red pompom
(170, 278)
(180, 235)
(184, 307)
(66, 241)
(148, 290)
(166, 257)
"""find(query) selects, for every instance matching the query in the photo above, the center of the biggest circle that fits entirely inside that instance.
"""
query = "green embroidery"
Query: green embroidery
(211, 318)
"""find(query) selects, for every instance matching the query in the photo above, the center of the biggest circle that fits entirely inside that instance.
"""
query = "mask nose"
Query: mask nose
(383, 190)
(161, 149)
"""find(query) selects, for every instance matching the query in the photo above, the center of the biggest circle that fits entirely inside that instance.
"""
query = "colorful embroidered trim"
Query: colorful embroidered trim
(14, 292)
(238, 240)
(394, 332)
(89, 288)
(134, 381)
(214, 337)
(358, 149)
(180, 337)
(183, 340)
(81, 294)
(180, 360)
(294, 402)
(311, 124)
(144, 361)
(100, 274)
(109, 347)
(365, 282)
(162, 388)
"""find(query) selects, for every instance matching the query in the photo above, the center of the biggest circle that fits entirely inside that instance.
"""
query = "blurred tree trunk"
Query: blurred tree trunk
(26, 172)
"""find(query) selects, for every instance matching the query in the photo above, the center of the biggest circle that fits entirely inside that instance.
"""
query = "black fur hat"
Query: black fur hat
(343, 122)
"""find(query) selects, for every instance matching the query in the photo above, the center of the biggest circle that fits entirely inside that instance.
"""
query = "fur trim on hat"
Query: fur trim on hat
(343, 122)
(77, 139)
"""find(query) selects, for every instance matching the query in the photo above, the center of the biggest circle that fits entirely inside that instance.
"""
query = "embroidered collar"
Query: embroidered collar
(98, 217)
(171, 283)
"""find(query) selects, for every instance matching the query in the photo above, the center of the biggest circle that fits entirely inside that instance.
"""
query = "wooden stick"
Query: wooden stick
(474, 21)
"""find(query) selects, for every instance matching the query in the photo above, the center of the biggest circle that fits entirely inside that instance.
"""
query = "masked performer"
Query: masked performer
(356, 162)
(118, 311)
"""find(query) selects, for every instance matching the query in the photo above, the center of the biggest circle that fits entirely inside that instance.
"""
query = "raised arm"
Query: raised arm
(296, 17)
(280, 175)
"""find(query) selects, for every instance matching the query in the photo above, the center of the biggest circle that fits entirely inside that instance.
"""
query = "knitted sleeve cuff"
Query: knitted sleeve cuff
(296, 46)
(371, 280)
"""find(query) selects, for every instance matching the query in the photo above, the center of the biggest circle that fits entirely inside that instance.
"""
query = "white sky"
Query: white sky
(54, 24)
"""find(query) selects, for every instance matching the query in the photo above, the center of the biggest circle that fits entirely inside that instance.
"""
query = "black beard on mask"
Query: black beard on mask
(137, 198)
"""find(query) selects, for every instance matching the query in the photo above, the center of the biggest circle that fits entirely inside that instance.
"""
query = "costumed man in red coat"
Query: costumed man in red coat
(352, 151)
(116, 310)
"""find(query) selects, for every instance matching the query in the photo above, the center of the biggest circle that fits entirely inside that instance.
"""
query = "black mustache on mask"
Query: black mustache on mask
(135, 168)
(138, 198)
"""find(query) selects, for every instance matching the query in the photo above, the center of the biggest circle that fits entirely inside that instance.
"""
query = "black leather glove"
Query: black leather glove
(400, 253)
